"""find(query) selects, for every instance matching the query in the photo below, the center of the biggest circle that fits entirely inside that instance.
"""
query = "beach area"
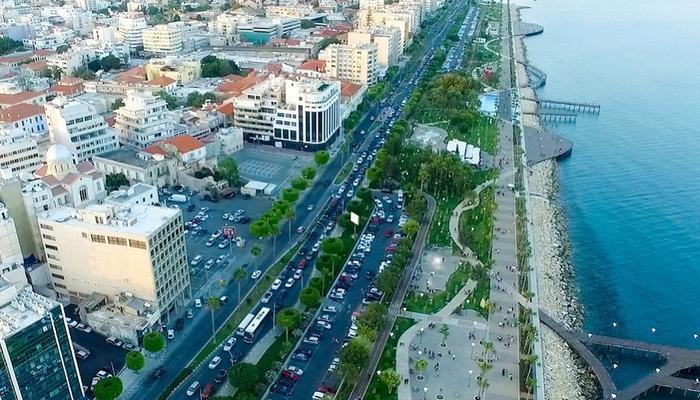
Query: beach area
(565, 376)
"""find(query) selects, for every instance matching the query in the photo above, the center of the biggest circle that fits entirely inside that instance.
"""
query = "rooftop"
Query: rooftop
(19, 112)
(17, 98)
(129, 156)
(135, 220)
(19, 309)
(119, 197)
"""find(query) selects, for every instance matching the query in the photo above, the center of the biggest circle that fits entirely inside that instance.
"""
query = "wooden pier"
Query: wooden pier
(558, 116)
(569, 105)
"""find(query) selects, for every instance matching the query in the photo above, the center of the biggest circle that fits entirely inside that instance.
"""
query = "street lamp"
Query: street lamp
(473, 346)
(425, 392)
(469, 383)
(421, 335)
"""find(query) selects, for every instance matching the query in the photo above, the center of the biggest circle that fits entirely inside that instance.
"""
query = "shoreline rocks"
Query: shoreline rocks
(566, 375)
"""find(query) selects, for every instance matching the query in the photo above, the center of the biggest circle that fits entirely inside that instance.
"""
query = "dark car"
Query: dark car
(235, 357)
(221, 376)
(301, 355)
(157, 373)
(191, 207)
(281, 388)
(180, 324)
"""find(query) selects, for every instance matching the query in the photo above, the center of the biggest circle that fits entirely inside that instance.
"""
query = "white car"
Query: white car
(295, 370)
(256, 274)
(171, 334)
(196, 260)
(229, 344)
(209, 264)
(197, 303)
(84, 328)
(324, 324)
(317, 246)
(290, 283)
(310, 207)
(193, 388)
(214, 362)
(313, 340)
(297, 274)
(330, 309)
(276, 284)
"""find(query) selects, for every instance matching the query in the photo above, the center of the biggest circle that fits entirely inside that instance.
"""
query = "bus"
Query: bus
(240, 331)
(254, 325)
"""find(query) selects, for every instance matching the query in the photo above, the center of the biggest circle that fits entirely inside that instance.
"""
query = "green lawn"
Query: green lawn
(377, 390)
(476, 226)
(439, 234)
(432, 303)
(343, 173)
(484, 135)
(482, 291)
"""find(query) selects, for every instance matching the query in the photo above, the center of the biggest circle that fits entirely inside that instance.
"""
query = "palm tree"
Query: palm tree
(445, 331)
(239, 275)
(529, 360)
(488, 348)
(420, 366)
(213, 304)
(274, 231)
(530, 383)
(289, 216)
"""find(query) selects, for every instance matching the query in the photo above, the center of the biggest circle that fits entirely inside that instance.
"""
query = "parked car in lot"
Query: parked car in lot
(209, 264)
(312, 340)
(256, 274)
(196, 260)
(114, 341)
(83, 328)
(295, 370)
(207, 391)
(301, 229)
(281, 389)
(297, 275)
(81, 355)
(330, 309)
(214, 362)
(171, 334)
(290, 283)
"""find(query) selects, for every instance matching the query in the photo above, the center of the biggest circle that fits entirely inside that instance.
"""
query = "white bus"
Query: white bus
(244, 324)
(252, 328)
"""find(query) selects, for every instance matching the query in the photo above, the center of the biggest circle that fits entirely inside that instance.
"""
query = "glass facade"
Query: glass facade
(39, 360)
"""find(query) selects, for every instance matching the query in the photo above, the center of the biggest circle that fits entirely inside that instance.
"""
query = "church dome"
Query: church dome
(58, 154)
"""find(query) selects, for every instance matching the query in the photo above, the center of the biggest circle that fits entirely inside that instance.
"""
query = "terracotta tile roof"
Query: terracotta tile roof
(69, 90)
(161, 81)
(41, 171)
(70, 80)
(19, 112)
(274, 68)
(58, 190)
(85, 167)
(71, 178)
(184, 143)
(238, 87)
(233, 78)
(349, 89)
(284, 42)
(111, 120)
(44, 53)
(154, 149)
(36, 66)
(96, 175)
(10, 99)
(226, 109)
(132, 76)
(15, 59)
(313, 65)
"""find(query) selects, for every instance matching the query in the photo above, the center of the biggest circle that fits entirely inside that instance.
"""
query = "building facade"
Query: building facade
(387, 39)
(110, 250)
(138, 166)
(143, 120)
(28, 117)
(38, 361)
(357, 64)
(18, 151)
(78, 126)
(130, 29)
(163, 39)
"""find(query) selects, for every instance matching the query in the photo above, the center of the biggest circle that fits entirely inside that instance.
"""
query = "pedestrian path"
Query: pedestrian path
(262, 345)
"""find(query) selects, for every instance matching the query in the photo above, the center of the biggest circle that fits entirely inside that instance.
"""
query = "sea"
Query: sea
(631, 189)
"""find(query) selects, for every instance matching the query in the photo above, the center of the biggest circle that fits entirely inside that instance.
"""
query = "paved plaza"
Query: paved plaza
(271, 165)
(436, 266)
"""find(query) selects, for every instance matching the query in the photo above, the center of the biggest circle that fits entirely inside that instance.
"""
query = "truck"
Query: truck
(178, 198)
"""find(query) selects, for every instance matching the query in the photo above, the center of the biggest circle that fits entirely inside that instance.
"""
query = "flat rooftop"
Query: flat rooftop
(135, 191)
(137, 220)
(19, 309)
(128, 156)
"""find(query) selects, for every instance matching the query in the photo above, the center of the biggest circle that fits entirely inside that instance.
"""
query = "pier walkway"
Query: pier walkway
(541, 144)
(527, 29)
(538, 78)
(677, 360)
(567, 105)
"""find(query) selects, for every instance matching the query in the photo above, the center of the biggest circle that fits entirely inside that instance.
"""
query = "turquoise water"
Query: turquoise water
(631, 190)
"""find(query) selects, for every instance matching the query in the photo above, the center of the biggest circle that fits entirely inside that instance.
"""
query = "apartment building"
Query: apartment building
(163, 39)
(143, 120)
(357, 64)
(180, 69)
(78, 126)
(139, 166)
(387, 39)
(30, 118)
(371, 4)
(110, 250)
(130, 27)
(300, 113)
(18, 151)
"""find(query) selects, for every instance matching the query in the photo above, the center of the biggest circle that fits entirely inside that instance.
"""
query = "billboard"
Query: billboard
(354, 218)
(229, 231)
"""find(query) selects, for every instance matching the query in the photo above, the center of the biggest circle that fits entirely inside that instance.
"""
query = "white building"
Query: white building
(77, 125)
(295, 11)
(104, 34)
(143, 120)
(371, 4)
(387, 39)
(357, 64)
(28, 117)
(139, 166)
(163, 39)
(130, 29)
(10, 251)
(299, 113)
(468, 153)
(18, 151)
(110, 250)
(72, 60)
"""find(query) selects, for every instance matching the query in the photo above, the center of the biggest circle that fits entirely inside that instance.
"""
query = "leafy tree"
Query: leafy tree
(256, 250)
(364, 194)
(354, 357)
(244, 376)
(229, 171)
(344, 221)
(135, 361)
(332, 245)
(308, 173)
(118, 103)
(94, 65)
(114, 181)
(321, 157)
(8, 45)
(288, 319)
(307, 24)
(327, 42)
(389, 279)
(290, 195)
(153, 342)
(84, 73)
(260, 229)
(110, 62)
(445, 332)
(170, 100)
(196, 99)
(373, 316)
(310, 297)
(213, 304)
(108, 388)
(411, 227)
(390, 378)
(213, 67)
(317, 283)
(299, 183)
(355, 206)
(420, 366)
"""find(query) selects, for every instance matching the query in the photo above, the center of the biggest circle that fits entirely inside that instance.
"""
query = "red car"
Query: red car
(208, 391)
(302, 263)
(326, 390)
(290, 375)
(388, 233)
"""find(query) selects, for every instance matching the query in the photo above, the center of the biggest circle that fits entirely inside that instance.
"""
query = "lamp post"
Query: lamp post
(469, 382)
(421, 335)
(473, 346)
(425, 393)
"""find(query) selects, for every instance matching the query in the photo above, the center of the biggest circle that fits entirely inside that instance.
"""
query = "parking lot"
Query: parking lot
(272, 165)
(103, 356)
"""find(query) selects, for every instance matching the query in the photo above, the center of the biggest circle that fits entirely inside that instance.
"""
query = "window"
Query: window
(57, 276)
(45, 236)
(54, 266)
(47, 227)
(53, 257)
(97, 238)
(58, 285)
(137, 243)
(116, 240)
(83, 193)
(52, 247)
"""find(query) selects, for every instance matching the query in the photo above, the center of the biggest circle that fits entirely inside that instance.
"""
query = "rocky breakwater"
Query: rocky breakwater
(566, 376)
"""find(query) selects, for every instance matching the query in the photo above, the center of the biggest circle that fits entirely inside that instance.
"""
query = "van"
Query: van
(193, 388)
(197, 303)
(171, 334)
